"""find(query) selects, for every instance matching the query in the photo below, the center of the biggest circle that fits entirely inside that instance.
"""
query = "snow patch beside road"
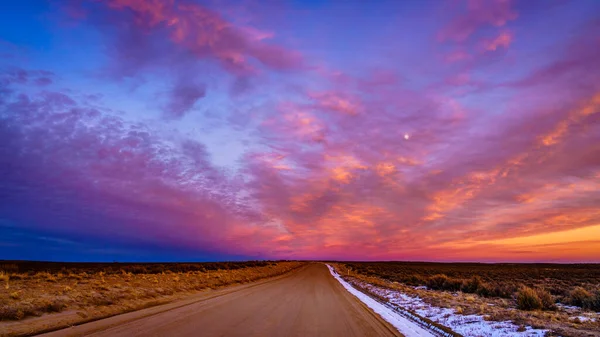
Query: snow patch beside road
(405, 326)
(466, 325)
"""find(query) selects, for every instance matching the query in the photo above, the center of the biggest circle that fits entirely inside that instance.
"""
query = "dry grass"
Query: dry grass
(527, 299)
(34, 293)
(575, 284)
(5, 277)
(584, 298)
(540, 304)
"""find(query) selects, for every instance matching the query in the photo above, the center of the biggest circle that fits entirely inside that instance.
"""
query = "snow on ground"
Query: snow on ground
(568, 308)
(583, 318)
(577, 313)
(405, 326)
(466, 325)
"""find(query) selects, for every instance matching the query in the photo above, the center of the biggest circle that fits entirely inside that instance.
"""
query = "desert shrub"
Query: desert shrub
(504, 290)
(527, 299)
(415, 280)
(11, 313)
(74, 276)
(46, 276)
(475, 285)
(443, 282)
(546, 299)
(485, 290)
(5, 277)
(585, 299)
(453, 284)
(471, 285)
(579, 297)
(55, 306)
(100, 300)
(594, 304)
(18, 276)
(437, 282)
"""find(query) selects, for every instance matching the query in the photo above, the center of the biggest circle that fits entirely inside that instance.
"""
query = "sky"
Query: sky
(188, 130)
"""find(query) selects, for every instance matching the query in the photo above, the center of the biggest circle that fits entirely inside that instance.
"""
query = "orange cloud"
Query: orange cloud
(384, 169)
(467, 188)
(341, 167)
(296, 121)
(570, 236)
(206, 33)
(408, 161)
(590, 107)
(460, 192)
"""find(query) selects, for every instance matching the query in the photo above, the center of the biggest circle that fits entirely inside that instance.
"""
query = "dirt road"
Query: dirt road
(307, 302)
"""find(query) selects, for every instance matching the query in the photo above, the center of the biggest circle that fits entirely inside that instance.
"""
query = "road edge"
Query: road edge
(133, 315)
(386, 310)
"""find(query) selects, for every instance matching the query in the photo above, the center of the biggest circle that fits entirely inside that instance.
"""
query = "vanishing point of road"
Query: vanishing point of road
(305, 302)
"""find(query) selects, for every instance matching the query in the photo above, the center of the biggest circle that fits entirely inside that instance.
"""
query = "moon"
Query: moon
(406, 136)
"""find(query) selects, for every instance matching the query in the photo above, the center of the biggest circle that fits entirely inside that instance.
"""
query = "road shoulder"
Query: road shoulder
(70, 323)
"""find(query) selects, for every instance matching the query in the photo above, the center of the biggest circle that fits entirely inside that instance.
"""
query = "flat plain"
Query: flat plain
(266, 298)
(41, 296)
(561, 298)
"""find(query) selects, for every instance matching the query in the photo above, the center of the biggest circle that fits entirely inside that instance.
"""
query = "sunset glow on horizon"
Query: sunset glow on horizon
(167, 130)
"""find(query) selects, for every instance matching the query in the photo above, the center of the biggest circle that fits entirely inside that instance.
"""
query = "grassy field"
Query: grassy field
(573, 284)
(550, 296)
(90, 290)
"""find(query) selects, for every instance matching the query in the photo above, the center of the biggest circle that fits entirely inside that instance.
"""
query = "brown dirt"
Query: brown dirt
(306, 302)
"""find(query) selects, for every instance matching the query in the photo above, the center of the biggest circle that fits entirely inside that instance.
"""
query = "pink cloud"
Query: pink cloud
(501, 41)
(206, 34)
(457, 56)
(336, 102)
(174, 40)
(478, 14)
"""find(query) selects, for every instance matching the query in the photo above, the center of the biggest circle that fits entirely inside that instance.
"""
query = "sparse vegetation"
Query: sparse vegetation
(527, 299)
(546, 298)
(575, 284)
(6, 278)
(585, 299)
(495, 291)
(579, 297)
(534, 299)
(37, 288)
